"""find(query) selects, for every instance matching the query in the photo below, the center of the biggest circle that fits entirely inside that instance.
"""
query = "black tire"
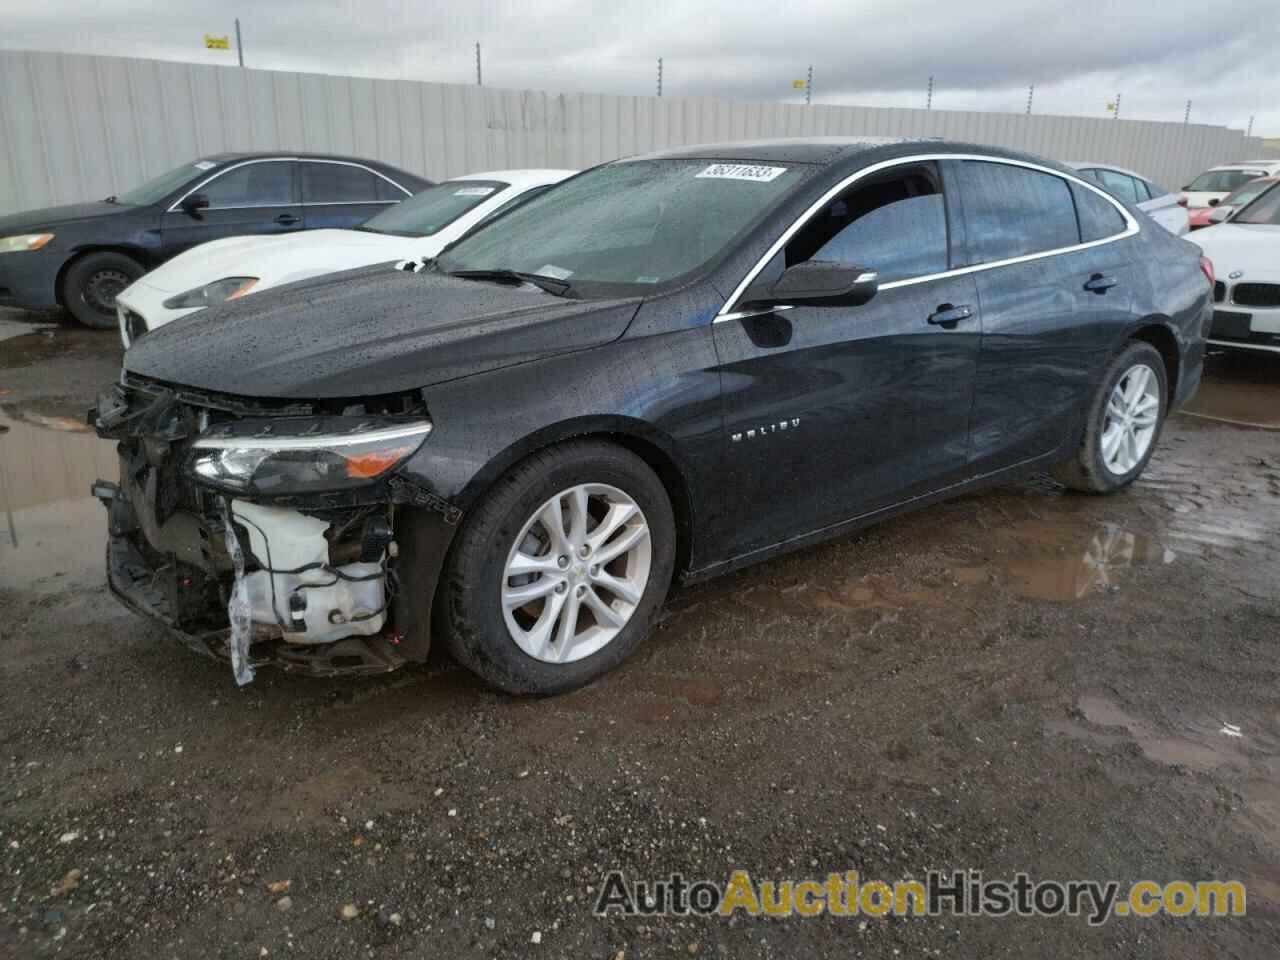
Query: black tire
(470, 605)
(91, 283)
(1086, 470)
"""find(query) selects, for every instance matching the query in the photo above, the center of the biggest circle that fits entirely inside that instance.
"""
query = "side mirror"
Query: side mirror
(1220, 214)
(194, 202)
(822, 282)
(1214, 201)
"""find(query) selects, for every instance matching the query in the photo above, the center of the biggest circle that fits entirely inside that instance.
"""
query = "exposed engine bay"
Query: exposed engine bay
(265, 533)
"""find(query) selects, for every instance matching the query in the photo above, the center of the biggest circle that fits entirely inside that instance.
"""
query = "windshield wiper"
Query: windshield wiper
(111, 199)
(552, 285)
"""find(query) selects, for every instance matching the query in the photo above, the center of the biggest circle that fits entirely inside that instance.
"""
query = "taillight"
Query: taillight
(1207, 266)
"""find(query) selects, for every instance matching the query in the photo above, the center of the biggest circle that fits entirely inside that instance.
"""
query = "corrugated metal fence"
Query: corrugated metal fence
(75, 127)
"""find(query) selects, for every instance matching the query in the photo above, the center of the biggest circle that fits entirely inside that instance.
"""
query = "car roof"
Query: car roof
(1090, 165)
(222, 159)
(820, 150)
(519, 178)
(836, 151)
(1246, 165)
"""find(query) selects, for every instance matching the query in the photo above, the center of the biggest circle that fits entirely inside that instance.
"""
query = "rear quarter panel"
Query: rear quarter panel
(1171, 291)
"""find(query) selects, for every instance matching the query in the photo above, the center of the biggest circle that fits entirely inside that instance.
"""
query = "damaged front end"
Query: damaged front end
(274, 532)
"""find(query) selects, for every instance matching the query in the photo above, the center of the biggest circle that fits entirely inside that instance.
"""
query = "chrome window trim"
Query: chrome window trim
(346, 203)
(177, 204)
(727, 312)
(349, 163)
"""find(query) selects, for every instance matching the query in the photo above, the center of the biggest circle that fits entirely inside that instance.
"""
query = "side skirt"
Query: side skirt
(843, 527)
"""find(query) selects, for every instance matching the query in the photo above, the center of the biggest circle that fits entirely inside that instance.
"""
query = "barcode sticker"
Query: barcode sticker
(474, 192)
(742, 171)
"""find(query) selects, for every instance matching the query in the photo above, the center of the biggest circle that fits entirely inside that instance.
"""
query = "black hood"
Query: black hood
(368, 332)
(33, 220)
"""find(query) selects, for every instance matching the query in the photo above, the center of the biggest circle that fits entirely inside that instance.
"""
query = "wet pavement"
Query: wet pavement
(1023, 679)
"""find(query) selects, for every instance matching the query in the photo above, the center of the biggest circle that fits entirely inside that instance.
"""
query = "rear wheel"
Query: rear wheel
(558, 573)
(91, 284)
(1124, 421)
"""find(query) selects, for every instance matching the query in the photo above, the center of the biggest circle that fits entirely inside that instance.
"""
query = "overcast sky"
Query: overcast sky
(1157, 53)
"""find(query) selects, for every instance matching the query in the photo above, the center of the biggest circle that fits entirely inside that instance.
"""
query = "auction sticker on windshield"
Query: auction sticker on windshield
(742, 171)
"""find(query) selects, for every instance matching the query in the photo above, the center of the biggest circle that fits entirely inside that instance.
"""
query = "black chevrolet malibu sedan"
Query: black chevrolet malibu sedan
(667, 366)
(81, 255)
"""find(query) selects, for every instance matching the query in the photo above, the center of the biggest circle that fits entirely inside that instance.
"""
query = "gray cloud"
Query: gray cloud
(875, 52)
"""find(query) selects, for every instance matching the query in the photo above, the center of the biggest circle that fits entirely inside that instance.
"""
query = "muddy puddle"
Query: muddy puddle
(1058, 561)
(50, 528)
(1201, 745)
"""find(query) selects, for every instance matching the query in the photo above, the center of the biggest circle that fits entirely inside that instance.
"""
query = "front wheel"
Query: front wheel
(1124, 421)
(557, 575)
(91, 284)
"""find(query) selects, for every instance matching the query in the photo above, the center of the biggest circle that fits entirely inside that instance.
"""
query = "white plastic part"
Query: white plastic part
(238, 609)
(342, 604)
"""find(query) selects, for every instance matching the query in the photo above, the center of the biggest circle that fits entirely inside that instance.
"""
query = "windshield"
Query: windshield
(1264, 209)
(435, 208)
(1222, 181)
(1246, 193)
(160, 187)
(623, 228)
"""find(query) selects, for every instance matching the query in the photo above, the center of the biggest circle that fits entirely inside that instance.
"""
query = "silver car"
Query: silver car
(1149, 197)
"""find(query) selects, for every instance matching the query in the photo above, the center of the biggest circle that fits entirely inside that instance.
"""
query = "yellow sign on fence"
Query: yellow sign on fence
(217, 43)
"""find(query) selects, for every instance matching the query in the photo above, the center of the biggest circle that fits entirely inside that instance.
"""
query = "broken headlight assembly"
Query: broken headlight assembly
(220, 291)
(311, 462)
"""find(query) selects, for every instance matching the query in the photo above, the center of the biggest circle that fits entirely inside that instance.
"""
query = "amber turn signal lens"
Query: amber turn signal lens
(366, 466)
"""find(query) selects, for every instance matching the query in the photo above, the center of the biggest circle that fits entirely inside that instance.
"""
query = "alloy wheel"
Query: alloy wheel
(1131, 418)
(576, 573)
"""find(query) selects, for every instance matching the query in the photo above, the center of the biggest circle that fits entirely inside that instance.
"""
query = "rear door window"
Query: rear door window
(1099, 219)
(338, 183)
(1013, 211)
(1122, 187)
(267, 183)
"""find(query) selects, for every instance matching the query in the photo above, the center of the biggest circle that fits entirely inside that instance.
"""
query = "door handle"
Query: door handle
(947, 316)
(1100, 284)
(287, 219)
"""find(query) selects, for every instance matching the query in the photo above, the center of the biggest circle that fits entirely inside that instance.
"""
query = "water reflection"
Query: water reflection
(1063, 565)
(53, 528)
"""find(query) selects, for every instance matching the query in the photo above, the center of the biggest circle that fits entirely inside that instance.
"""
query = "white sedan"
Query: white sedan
(1212, 186)
(1153, 200)
(417, 228)
(1246, 259)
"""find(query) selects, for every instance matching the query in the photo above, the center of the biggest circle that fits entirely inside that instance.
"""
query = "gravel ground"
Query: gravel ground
(1021, 680)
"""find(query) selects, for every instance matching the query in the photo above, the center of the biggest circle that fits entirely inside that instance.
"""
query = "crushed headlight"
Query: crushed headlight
(220, 291)
(314, 463)
(24, 241)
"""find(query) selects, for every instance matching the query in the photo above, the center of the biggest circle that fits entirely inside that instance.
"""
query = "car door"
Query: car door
(342, 195)
(254, 197)
(835, 411)
(1050, 297)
